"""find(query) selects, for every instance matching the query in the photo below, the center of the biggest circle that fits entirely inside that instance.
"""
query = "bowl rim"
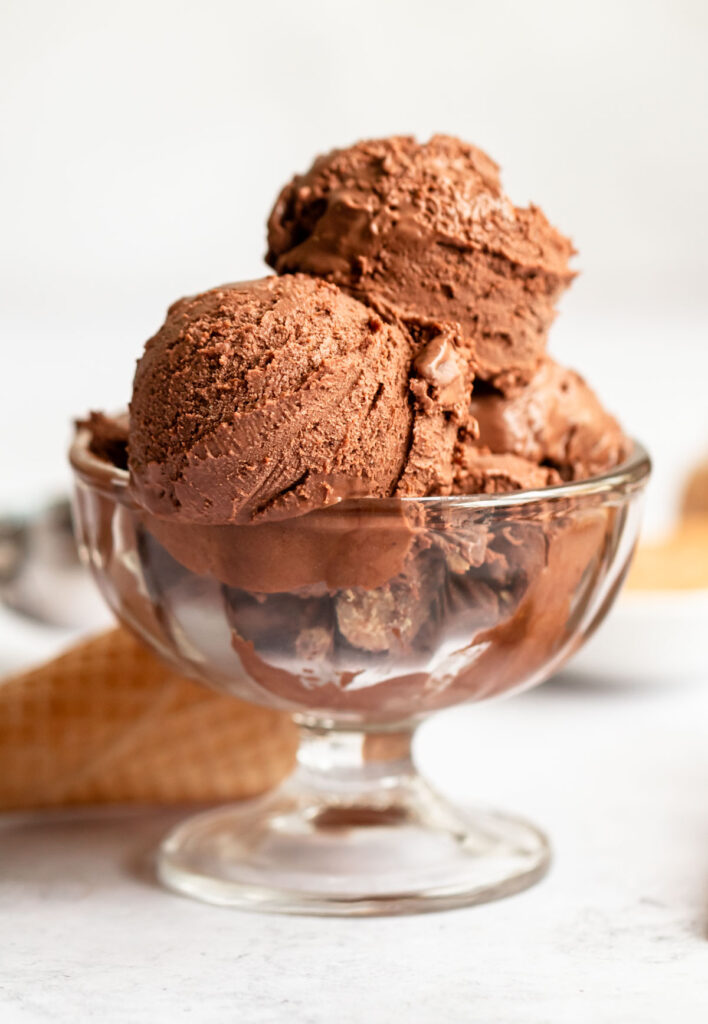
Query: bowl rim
(627, 477)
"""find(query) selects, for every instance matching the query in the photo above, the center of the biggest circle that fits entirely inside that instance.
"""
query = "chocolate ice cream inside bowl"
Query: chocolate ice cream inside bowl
(361, 491)
(361, 619)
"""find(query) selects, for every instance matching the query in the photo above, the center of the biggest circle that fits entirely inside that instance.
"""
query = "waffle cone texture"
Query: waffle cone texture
(107, 722)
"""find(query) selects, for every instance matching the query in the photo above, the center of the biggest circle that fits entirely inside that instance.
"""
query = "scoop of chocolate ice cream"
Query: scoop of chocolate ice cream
(267, 399)
(425, 235)
(555, 421)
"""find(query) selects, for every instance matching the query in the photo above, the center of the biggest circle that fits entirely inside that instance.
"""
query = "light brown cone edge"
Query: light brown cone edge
(107, 722)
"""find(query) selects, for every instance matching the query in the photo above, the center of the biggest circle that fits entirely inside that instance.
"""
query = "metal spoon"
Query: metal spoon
(40, 573)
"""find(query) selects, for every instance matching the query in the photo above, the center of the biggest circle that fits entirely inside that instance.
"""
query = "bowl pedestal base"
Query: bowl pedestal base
(354, 831)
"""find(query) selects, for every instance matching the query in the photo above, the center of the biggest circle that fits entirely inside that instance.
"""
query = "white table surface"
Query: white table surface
(618, 931)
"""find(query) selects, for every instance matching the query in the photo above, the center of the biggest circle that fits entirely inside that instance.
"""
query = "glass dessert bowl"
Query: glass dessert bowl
(361, 620)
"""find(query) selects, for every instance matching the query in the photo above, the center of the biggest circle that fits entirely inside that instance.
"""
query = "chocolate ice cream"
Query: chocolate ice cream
(400, 353)
(555, 421)
(267, 399)
(478, 471)
(424, 234)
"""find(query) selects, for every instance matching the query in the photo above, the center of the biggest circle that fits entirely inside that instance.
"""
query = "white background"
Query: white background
(144, 142)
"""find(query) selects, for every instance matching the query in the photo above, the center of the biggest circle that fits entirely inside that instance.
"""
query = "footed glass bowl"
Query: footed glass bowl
(361, 620)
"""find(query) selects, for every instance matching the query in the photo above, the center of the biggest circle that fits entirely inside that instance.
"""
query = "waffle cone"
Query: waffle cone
(107, 722)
